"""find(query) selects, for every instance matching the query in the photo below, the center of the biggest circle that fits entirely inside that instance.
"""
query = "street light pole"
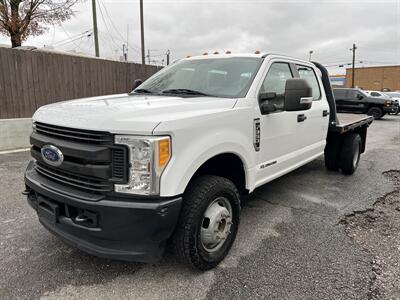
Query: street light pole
(311, 52)
(142, 32)
(96, 34)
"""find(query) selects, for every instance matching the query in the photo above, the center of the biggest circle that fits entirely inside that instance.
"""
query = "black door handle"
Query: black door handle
(301, 118)
(325, 113)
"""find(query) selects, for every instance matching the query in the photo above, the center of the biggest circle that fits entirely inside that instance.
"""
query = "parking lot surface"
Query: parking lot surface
(292, 243)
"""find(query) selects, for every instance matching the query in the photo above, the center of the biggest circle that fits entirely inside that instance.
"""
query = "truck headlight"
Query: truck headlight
(148, 157)
(388, 102)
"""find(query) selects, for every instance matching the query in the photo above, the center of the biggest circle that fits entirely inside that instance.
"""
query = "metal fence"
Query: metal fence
(32, 78)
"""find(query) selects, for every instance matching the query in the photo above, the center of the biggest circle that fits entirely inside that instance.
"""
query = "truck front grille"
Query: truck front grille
(119, 163)
(72, 134)
(92, 162)
(87, 184)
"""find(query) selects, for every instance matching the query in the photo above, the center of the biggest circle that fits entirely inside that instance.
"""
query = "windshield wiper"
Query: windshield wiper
(142, 91)
(183, 92)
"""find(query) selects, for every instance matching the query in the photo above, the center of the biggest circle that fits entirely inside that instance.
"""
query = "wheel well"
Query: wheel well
(374, 105)
(226, 165)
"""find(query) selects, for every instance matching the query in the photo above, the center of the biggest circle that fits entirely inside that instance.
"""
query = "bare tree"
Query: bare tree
(20, 19)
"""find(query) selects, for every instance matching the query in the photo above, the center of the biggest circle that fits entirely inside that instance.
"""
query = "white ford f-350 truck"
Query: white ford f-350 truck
(123, 176)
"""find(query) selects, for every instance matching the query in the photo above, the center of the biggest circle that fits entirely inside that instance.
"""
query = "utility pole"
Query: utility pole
(142, 32)
(96, 33)
(168, 53)
(311, 52)
(354, 64)
(127, 42)
(125, 52)
(148, 55)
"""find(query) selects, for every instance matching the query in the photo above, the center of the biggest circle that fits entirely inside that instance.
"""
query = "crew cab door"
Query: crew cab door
(288, 139)
(315, 128)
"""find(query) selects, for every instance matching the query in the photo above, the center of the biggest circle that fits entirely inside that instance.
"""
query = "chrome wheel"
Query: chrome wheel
(216, 224)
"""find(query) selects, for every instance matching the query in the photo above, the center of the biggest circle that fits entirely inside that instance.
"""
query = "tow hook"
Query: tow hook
(81, 219)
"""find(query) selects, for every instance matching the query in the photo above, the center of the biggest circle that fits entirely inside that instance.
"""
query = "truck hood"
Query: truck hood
(133, 114)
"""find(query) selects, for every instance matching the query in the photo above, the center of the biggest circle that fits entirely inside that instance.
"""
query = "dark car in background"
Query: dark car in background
(355, 100)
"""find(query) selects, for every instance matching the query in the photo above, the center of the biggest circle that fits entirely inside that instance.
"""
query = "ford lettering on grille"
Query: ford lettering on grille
(52, 155)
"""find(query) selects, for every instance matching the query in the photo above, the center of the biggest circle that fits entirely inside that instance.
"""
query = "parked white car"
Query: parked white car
(375, 94)
(120, 176)
(393, 95)
(387, 95)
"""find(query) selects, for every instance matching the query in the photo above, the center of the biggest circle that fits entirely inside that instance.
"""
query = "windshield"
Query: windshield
(393, 94)
(219, 77)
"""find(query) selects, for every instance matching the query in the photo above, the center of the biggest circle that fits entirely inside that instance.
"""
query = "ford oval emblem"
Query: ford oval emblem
(52, 155)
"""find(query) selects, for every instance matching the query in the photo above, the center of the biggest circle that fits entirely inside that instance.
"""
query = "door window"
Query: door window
(339, 94)
(275, 82)
(354, 94)
(309, 75)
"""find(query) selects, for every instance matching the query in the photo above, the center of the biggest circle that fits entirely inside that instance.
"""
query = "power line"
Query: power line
(73, 41)
(109, 45)
(116, 29)
(70, 37)
(110, 20)
(108, 29)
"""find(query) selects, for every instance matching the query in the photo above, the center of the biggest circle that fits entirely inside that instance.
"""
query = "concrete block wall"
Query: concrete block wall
(14, 133)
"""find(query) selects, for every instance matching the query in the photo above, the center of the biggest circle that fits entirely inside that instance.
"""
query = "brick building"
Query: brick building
(375, 78)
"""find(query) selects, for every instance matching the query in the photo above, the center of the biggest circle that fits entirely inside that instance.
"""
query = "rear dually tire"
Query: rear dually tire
(350, 153)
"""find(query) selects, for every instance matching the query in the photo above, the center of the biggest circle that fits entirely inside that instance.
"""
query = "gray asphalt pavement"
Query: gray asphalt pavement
(290, 244)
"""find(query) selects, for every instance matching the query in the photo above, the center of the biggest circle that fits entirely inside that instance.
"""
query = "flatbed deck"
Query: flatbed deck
(348, 122)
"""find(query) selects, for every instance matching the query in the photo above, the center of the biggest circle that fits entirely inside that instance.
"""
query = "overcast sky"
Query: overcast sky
(191, 27)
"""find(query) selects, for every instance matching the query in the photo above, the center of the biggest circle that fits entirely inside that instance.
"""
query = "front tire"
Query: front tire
(376, 112)
(350, 153)
(208, 222)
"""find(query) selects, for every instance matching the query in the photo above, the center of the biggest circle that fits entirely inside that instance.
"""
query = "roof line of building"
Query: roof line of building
(374, 67)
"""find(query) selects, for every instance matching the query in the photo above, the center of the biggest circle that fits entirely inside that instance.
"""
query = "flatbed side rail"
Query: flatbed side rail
(342, 128)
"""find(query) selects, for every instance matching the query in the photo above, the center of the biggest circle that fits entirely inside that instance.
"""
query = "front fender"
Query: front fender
(184, 164)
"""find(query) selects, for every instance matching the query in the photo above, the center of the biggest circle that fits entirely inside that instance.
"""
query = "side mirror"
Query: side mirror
(267, 108)
(136, 83)
(298, 95)
(359, 96)
(266, 96)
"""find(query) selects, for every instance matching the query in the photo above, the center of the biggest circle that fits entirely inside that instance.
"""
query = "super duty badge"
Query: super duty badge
(256, 134)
